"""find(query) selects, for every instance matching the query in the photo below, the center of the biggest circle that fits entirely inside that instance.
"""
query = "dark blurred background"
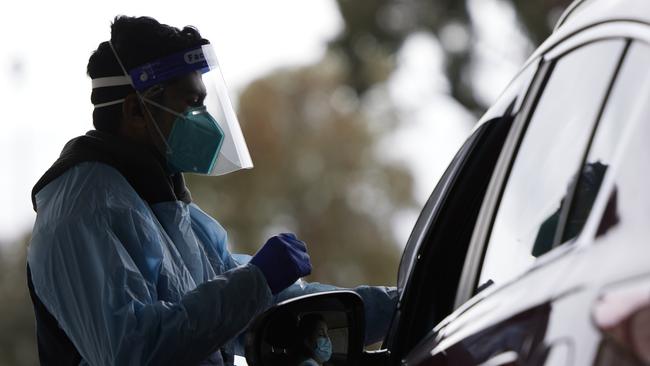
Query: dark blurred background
(313, 133)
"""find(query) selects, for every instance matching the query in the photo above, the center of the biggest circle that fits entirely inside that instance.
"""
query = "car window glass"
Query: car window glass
(628, 204)
(551, 152)
(507, 105)
(623, 104)
(413, 243)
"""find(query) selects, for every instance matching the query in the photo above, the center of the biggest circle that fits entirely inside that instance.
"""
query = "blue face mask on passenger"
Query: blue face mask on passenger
(194, 142)
(323, 349)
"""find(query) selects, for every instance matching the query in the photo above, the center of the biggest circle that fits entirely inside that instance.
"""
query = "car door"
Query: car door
(448, 218)
(610, 264)
(516, 256)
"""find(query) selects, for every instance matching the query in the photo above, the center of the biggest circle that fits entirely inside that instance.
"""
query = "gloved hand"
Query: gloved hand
(283, 260)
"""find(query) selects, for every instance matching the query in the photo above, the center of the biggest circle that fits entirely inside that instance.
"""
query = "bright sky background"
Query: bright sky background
(45, 92)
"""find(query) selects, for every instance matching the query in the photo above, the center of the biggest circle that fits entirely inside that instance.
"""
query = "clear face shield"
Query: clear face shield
(204, 136)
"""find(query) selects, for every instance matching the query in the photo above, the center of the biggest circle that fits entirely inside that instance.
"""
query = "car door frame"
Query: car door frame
(616, 29)
(510, 103)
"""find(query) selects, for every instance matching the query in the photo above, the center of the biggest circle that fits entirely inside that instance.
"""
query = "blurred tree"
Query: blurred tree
(316, 173)
(17, 327)
(539, 17)
(376, 29)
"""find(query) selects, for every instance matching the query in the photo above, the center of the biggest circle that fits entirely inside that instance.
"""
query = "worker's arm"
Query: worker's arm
(379, 301)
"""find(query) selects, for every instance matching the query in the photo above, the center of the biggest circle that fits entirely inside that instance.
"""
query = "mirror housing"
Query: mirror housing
(273, 338)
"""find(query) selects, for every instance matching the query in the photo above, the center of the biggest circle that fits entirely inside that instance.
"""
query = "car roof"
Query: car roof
(584, 13)
(603, 10)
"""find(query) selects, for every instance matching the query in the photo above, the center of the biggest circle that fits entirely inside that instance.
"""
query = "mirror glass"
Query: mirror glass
(306, 338)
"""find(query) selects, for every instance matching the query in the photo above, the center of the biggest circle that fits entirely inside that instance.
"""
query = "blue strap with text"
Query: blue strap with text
(168, 67)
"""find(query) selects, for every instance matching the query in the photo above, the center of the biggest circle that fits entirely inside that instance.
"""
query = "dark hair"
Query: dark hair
(137, 41)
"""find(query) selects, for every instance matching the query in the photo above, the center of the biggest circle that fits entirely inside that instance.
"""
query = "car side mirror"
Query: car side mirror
(287, 333)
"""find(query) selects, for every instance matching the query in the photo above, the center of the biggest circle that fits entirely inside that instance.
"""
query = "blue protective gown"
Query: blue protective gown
(137, 284)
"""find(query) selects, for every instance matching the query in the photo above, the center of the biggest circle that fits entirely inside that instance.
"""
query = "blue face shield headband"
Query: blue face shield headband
(204, 140)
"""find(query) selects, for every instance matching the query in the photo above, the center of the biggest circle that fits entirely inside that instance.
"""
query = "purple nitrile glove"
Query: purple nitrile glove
(283, 260)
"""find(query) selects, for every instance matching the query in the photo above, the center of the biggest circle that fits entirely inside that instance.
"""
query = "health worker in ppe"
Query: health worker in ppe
(123, 269)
